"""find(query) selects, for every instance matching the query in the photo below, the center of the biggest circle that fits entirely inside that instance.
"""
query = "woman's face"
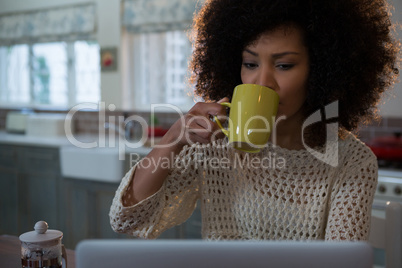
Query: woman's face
(279, 60)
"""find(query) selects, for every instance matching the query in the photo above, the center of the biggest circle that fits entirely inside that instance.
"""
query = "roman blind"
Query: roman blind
(144, 16)
(65, 23)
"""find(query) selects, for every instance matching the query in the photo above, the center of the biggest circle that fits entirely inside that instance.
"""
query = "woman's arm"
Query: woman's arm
(171, 205)
(352, 197)
(194, 127)
(154, 197)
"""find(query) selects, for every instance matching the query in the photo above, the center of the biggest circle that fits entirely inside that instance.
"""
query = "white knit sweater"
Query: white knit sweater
(276, 194)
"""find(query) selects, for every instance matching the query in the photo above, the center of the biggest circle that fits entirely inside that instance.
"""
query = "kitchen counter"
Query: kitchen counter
(61, 141)
(43, 141)
(88, 157)
(389, 172)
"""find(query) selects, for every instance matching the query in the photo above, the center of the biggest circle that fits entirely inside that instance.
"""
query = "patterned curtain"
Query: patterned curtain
(56, 24)
(144, 16)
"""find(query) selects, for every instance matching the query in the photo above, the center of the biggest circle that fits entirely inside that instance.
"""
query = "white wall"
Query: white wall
(392, 102)
(108, 35)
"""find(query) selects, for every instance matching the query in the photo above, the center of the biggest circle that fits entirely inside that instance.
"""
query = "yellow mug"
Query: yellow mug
(252, 115)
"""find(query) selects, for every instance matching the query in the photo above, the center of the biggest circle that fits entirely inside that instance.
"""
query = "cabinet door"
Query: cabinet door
(8, 202)
(38, 200)
(36, 160)
(193, 225)
(8, 190)
(8, 157)
(75, 212)
(85, 206)
(38, 190)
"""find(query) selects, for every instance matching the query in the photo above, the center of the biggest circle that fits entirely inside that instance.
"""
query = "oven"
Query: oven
(389, 188)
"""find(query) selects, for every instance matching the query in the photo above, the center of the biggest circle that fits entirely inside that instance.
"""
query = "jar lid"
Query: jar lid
(41, 234)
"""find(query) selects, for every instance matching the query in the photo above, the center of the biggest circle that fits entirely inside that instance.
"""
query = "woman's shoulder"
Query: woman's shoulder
(351, 144)
(353, 150)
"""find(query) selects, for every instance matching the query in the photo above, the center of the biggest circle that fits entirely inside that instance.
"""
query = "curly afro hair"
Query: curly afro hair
(352, 52)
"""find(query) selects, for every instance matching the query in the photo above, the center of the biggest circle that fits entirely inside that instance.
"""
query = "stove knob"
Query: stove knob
(382, 189)
(398, 190)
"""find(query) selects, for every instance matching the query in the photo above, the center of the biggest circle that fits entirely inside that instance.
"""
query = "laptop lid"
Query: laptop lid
(235, 254)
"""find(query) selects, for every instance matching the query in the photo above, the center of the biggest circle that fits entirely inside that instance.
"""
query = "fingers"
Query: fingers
(199, 127)
(225, 99)
(195, 132)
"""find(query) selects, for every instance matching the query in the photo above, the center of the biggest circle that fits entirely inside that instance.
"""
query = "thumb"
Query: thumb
(225, 99)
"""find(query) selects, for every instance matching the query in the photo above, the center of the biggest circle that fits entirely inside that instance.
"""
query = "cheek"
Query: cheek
(296, 89)
(291, 98)
(244, 78)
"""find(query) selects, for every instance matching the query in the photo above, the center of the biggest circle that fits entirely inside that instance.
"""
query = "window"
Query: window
(14, 70)
(57, 74)
(158, 67)
(49, 74)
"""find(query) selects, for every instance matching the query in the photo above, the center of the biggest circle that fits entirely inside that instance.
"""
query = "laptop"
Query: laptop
(105, 253)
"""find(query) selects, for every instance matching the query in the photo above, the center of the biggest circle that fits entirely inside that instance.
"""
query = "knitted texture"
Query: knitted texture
(277, 194)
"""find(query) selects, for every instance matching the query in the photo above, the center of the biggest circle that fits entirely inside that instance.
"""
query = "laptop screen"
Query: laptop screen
(235, 254)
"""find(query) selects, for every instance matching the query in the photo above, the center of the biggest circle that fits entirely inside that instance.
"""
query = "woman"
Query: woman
(314, 54)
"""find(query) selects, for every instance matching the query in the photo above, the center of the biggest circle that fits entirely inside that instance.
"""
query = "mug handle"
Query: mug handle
(64, 256)
(225, 131)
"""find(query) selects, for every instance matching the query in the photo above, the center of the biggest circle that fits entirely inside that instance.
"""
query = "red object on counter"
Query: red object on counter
(157, 131)
(388, 147)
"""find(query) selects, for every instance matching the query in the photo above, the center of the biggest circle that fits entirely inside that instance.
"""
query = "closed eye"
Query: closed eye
(285, 67)
(249, 65)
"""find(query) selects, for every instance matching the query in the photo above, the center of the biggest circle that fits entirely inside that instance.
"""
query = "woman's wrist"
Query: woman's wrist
(172, 141)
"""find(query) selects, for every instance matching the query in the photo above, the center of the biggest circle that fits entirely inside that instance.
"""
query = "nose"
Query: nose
(266, 77)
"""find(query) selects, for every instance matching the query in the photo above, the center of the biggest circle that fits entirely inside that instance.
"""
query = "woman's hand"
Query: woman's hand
(195, 126)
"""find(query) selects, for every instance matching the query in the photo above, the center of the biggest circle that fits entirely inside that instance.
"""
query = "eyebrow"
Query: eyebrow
(275, 55)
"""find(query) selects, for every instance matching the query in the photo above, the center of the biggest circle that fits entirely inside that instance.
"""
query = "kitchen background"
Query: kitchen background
(116, 24)
(106, 60)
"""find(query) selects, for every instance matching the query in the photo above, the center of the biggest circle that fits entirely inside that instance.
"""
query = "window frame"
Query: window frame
(71, 94)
